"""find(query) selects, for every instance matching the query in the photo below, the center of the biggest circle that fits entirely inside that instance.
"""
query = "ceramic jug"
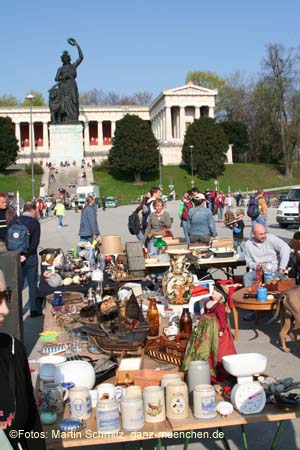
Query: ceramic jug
(198, 373)
(54, 395)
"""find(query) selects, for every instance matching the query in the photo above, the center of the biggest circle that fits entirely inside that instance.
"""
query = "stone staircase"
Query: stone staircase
(67, 178)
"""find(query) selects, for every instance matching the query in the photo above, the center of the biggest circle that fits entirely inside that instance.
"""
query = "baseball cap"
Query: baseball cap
(199, 196)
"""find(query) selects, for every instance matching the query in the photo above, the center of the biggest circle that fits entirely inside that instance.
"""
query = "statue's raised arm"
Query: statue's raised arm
(73, 42)
(63, 97)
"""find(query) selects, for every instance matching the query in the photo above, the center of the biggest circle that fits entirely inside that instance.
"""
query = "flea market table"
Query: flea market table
(182, 430)
(227, 265)
(252, 304)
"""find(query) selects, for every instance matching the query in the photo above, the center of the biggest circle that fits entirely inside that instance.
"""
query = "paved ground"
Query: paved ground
(259, 338)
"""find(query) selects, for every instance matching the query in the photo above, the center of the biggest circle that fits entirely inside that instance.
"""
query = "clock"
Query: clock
(248, 398)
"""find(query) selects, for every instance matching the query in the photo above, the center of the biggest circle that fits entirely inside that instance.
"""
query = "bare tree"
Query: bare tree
(281, 73)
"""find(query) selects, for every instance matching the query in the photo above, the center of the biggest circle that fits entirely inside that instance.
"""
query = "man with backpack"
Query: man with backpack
(23, 235)
(257, 209)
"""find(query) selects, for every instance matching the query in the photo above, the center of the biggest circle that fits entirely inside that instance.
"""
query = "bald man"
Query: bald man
(263, 247)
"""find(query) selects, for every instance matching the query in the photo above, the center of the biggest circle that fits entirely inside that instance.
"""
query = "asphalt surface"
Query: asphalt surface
(252, 337)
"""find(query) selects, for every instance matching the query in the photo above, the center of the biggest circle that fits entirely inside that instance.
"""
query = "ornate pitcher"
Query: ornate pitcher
(177, 283)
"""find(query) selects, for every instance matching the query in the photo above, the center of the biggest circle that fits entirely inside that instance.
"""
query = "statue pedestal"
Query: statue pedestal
(66, 143)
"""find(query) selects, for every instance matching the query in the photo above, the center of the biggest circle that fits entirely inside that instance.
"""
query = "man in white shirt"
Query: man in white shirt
(264, 248)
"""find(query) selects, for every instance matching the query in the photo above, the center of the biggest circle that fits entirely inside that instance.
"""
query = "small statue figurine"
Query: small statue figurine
(63, 96)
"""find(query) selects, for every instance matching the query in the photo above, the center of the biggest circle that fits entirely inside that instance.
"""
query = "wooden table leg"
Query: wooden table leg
(236, 322)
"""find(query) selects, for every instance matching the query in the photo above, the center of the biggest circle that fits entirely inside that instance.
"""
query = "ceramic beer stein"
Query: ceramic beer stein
(80, 403)
(54, 394)
(204, 401)
(177, 401)
(198, 373)
(154, 404)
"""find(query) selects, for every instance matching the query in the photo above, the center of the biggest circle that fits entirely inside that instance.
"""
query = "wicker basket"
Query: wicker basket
(148, 377)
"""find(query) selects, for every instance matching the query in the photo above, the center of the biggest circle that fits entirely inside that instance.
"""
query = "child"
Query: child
(237, 227)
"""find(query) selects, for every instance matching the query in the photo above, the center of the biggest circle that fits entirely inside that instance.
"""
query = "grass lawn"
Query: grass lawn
(236, 176)
(11, 181)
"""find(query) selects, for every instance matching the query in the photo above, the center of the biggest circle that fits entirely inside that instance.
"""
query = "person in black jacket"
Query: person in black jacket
(29, 260)
(18, 410)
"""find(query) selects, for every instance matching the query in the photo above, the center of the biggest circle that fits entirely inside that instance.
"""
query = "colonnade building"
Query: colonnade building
(169, 115)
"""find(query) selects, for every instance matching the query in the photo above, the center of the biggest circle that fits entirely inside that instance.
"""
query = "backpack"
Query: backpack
(18, 237)
(134, 223)
(253, 210)
(145, 214)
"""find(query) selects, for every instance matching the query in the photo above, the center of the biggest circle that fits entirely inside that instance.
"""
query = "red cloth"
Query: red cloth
(199, 290)
(226, 344)
(231, 290)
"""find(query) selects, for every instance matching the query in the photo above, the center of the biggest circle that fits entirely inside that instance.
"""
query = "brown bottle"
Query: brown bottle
(185, 323)
(153, 318)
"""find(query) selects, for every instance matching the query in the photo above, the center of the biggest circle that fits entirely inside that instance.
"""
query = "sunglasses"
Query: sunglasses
(6, 296)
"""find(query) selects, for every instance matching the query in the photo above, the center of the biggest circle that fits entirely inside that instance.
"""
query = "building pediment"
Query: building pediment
(190, 90)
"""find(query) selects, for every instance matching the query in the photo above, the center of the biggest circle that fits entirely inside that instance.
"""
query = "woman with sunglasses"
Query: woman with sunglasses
(18, 409)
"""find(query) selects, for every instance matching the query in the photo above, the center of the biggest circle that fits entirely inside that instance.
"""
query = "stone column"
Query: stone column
(100, 134)
(182, 122)
(159, 126)
(163, 128)
(45, 136)
(18, 133)
(197, 112)
(168, 135)
(113, 128)
(211, 112)
(86, 136)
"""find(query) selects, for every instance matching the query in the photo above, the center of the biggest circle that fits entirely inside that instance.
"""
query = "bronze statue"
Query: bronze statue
(63, 96)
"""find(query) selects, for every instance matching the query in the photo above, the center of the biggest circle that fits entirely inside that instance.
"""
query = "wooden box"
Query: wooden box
(280, 285)
(148, 377)
(222, 242)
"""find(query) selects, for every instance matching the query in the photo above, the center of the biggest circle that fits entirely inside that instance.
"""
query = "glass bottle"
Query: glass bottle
(185, 323)
(259, 273)
(153, 318)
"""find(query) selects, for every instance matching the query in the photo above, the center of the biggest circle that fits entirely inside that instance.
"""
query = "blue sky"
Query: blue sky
(140, 45)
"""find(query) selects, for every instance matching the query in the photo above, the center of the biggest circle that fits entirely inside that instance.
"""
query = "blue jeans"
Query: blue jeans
(151, 249)
(29, 271)
(259, 219)
(185, 228)
(60, 219)
(220, 213)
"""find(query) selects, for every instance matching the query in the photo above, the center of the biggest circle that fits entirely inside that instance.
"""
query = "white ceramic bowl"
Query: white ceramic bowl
(79, 372)
(245, 364)
(51, 359)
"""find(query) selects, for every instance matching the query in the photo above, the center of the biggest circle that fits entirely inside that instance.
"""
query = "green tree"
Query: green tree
(209, 80)
(210, 145)
(134, 150)
(37, 101)
(8, 100)
(237, 134)
(8, 143)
